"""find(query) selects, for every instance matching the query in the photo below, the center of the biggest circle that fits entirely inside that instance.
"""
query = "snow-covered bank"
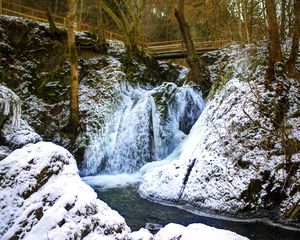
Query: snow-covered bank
(233, 161)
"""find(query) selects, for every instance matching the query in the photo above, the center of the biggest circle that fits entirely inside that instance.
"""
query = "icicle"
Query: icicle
(10, 105)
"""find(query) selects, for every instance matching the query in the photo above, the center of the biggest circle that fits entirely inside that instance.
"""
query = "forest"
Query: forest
(150, 119)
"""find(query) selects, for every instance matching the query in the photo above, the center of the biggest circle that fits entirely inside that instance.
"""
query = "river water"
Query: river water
(137, 212)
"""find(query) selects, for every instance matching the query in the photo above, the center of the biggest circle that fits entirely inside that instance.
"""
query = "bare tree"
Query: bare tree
(128, 19)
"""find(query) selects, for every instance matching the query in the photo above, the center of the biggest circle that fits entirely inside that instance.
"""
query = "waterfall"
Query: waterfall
(147, 126)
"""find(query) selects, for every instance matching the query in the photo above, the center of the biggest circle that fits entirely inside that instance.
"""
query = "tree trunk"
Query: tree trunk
(244, 7)
(283, 20)
(275, 54)
(199, 73)
(53, 28)
(290, 18)
(296, 37)
(80, 11)
(74, 106)
(251, 21)
(240, 20)
(55, 8)
(100, 25)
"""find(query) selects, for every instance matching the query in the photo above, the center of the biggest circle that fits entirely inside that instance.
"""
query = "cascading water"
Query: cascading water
(147, 126)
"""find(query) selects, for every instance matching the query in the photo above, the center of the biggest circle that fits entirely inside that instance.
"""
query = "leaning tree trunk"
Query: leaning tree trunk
(53, 28)
(199, 73)
(296, 37)
(275, 53)
(74, 106)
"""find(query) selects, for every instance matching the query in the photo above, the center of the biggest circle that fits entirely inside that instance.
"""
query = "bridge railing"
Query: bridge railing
(17, 9)
(179, 46)
(20, 10)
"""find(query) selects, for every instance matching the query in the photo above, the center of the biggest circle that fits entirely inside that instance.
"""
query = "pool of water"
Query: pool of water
(138, 211)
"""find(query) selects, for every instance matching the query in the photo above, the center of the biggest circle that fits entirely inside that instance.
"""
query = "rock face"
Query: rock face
(235, 160)
(43, 197)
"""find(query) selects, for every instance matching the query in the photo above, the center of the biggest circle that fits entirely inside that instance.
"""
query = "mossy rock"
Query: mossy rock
(220, 83)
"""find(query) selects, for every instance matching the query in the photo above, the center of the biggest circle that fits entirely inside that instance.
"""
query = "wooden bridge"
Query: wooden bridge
(177, 49)
(158, 50)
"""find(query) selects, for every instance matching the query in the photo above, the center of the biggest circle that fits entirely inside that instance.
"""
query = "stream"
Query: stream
(138, 211)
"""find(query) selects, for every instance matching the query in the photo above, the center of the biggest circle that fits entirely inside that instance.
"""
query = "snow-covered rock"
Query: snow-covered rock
(195, 231)
(43, 197)
(233, 160)
(142, 234)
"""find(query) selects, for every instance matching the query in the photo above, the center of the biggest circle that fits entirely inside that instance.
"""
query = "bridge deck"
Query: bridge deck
(177, 49)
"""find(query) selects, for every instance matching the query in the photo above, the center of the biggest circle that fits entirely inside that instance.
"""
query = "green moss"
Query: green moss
(3, 75)
(219, 83)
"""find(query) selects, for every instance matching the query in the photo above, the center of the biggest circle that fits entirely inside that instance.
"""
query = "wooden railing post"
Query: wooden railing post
(0, 6)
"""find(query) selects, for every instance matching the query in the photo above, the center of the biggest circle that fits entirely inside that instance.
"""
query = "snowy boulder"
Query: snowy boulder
(43, 197)
(142, 234)
(195, 232)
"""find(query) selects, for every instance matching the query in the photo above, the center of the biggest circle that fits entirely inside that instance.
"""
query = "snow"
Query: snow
(43, 197)
(195, 232)
(112, 181)
(142, 234)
